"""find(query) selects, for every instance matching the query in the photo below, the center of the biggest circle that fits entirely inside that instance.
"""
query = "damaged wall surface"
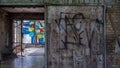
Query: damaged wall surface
(42, 2)
(76, 37)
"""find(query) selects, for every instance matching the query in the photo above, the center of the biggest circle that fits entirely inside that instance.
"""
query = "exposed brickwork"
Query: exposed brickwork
(112, 16)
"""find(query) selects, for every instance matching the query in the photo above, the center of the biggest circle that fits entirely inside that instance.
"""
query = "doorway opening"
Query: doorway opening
(26, 36)
(29, 37)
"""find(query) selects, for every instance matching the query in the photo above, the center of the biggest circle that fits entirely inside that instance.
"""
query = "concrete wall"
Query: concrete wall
(112, 30)
(3, 32)
(76, 37)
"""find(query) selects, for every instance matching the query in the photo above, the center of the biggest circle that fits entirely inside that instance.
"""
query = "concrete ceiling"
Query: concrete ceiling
(24, 10)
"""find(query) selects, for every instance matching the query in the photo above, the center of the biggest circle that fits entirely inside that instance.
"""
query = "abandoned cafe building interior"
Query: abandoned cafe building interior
(59, 33)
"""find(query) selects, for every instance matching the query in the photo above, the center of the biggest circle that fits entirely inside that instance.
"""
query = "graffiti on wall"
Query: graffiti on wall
(76, 31)
(77, 23)
(33, 31)
(76, 36)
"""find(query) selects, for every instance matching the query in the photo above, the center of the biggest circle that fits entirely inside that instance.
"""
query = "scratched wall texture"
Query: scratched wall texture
(76, 37)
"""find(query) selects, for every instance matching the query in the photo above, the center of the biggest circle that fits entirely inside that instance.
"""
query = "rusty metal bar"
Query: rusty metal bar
(21, 37)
